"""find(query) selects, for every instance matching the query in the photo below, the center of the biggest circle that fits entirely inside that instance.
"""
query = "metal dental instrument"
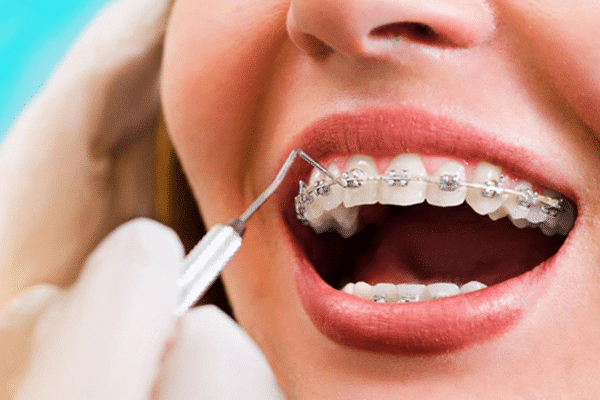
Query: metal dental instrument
(210, 256)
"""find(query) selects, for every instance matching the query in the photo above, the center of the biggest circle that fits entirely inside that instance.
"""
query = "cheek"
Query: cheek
(218, 56)
(563, 41)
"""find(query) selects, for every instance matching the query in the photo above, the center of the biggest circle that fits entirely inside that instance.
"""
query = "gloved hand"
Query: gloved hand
(105, 337)
(114, 334)
(78, 162)
(75, 165)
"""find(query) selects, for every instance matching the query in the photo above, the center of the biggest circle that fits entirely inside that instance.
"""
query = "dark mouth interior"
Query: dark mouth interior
(425, 244)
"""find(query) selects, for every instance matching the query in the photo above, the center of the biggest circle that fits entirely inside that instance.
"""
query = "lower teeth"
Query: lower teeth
(408, 293)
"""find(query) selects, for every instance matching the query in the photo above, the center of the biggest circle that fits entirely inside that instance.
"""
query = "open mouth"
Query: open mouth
(409, 235)
(413, 244)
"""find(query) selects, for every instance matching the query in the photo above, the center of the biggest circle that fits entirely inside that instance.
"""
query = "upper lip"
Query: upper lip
(470, 318)
(390, 131)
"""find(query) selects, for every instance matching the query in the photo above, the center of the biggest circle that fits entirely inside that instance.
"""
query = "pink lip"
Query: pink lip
(389, 132)
(433, 327)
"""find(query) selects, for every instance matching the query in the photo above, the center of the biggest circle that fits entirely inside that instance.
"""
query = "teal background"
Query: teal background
(34, 36)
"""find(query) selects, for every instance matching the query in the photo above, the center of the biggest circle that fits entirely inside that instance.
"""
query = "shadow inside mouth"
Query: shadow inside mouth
(425, 244)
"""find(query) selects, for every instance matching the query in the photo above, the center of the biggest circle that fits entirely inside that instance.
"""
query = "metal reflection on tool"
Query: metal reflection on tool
(216, 249)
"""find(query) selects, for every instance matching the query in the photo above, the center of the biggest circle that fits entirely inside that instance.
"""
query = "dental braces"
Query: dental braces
(493, 188)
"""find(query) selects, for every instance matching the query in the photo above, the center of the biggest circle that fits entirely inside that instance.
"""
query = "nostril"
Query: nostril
(413, 31)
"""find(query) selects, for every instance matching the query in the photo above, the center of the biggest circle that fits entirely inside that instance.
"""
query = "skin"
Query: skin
(241, 78)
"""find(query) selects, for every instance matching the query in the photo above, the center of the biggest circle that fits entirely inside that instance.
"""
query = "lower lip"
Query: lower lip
(430, 327)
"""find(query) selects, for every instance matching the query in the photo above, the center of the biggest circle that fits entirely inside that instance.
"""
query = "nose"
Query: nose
(374, 28)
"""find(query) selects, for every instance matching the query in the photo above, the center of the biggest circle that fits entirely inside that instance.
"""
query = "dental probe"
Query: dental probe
(210, 256)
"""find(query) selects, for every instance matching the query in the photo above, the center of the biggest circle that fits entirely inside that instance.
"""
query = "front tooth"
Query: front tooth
(409, 292)
(514, 205)
(336, 193)
(446, 190)
(393, 189)
(345, 220)
(363, 290)
(387, 290)
(439, 290)
(472, 286)
(366, 193)
(484, 201)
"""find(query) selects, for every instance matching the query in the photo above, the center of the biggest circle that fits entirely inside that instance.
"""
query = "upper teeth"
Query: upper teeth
(327, 203)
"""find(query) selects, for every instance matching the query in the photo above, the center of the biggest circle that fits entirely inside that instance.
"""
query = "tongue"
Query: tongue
(426, 244)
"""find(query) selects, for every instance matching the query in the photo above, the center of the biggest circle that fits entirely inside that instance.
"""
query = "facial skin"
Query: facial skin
(242, 78)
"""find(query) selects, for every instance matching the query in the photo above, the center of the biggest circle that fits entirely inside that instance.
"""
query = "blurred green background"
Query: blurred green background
(34, 36)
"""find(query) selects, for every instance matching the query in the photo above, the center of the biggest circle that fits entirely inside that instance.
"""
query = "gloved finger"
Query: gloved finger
(105, 338)
(17, 322)
(212, 358)
(76, 160)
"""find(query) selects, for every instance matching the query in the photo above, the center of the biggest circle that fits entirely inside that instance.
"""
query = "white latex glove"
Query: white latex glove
(79, 160)
(77, 163)
(114, 334)
(105, 337)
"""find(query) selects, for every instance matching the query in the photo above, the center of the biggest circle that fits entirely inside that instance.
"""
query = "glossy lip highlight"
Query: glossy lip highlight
(438, 326)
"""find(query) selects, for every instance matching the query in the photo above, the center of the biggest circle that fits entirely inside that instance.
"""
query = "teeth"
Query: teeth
(326, 204)
(446, 189)
(548, 230)
(519, 223)
(485, 201)
(518, 209)
(345, 220)
(498, 214)
(387, 291)
(336, 193)
(349, 288)
(471, 287)
(397, 187)
(566, 219)
(440, 290)
(552, 217)
(314, 213)
(550, 220)
(536, 215)
(408, 292)
(363, 290)
(359, 173)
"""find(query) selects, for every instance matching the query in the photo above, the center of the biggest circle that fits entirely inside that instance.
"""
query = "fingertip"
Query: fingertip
(140, 263)
(25, 307)
(148, 233)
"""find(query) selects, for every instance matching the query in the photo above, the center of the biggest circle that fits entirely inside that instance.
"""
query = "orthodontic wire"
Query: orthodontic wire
(550, 201)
